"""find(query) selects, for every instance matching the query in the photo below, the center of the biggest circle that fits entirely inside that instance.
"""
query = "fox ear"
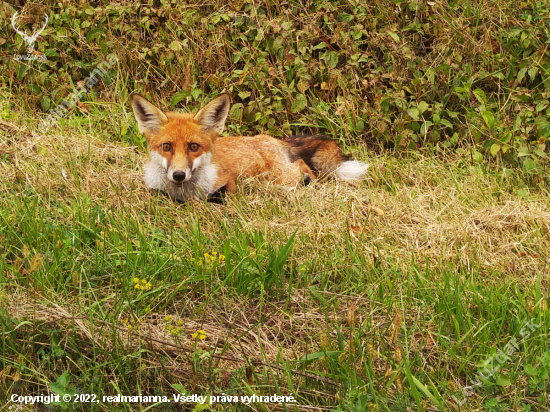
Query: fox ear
(149, 118)
(212, 117)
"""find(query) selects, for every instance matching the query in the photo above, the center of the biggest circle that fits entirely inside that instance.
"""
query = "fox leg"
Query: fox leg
(305, 169)
(231, 185)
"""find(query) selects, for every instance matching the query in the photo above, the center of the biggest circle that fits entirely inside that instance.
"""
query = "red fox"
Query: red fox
(188, 160)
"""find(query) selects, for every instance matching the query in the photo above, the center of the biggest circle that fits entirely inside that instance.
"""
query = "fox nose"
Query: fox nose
(178, 176)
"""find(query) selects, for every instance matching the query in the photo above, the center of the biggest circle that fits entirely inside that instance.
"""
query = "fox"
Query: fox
(188, 159)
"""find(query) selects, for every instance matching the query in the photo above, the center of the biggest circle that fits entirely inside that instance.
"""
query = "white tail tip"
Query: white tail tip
(351, 170)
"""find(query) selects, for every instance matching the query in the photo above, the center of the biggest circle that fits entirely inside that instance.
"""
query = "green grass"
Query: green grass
(324, 292)
(389, 294)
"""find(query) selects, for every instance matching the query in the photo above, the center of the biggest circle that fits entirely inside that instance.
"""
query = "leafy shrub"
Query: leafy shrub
(402, 73)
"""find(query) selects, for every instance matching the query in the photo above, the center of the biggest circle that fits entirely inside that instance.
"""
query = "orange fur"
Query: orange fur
(187, 159)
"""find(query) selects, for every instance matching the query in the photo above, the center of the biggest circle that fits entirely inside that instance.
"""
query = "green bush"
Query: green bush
(401, 74)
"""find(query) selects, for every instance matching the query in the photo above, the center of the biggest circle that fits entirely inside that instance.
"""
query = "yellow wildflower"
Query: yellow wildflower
(135, 280)
(199, 334)
(167, 318)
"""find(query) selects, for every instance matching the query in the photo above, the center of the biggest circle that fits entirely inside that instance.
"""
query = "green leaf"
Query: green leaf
(521, 74)
(123, 128)
(178, 97)
(236, 111)
(175, 45)
(523, 151)
(321, 45)
(394, 36)
(495, 148)
(543, 127)
(530, 370)
(530, 165)
(540, 153)
(46, 103)
(478, 157)
(195, 93)
(414, 126)
(414, 113)
(489, 118)
(480, 96)
(316, 293)
(423, 106)
(447, 123)
(506, 137)
(299, 104)
(317, 355)
(60, 385)
(425, 126)
(502, 380)
(541, 106)
(94, 34)
(425, 391)
(51, 53)
(332, 59)
(180, 389)
(244, 94)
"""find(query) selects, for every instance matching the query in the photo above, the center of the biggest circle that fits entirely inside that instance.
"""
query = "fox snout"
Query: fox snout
(178, 176)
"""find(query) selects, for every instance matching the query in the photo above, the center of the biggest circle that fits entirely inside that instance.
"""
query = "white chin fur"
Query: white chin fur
(155, 172)
(351, 170)
(200, 185)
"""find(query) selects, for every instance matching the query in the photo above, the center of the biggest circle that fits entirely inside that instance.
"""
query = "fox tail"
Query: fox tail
(323, 156)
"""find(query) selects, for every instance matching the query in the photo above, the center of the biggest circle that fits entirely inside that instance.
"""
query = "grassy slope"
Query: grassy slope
(446, 244)
(395, 288)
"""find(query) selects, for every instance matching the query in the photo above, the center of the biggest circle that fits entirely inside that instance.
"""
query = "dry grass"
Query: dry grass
(438, 213)
(436, 210)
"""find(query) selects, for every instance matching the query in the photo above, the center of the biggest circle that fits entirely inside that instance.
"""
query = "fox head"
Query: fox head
(180, 143)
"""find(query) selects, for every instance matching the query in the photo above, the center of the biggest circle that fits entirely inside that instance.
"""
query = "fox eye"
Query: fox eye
(166, 147)
(193, 147)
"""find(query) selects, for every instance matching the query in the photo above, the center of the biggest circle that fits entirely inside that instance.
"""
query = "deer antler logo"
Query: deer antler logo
(23, 33)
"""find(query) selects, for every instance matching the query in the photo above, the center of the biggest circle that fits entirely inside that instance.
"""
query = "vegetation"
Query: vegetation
(390, 294)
